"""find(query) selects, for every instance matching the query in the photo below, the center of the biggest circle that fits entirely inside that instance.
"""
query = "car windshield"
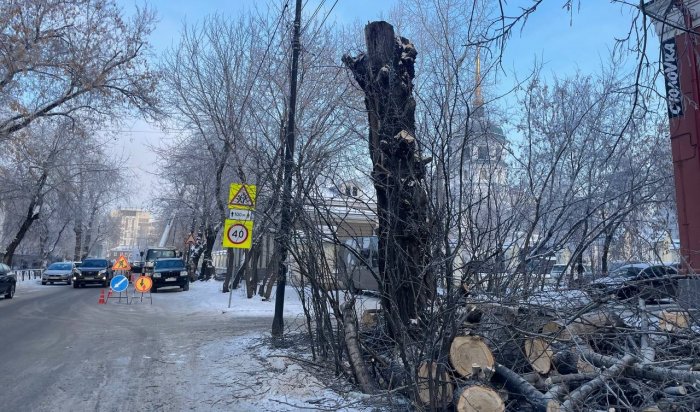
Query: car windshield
(166, 264)
(626, 272)
(160, 254)
(60, 266)
(94, 263)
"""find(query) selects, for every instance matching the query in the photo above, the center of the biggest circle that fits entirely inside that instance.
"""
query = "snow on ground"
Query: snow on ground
(240, 370)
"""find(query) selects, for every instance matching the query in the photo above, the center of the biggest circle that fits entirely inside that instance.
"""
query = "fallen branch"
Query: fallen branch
(364, 380)
(580, 394)
(519, 386)
(654, 373)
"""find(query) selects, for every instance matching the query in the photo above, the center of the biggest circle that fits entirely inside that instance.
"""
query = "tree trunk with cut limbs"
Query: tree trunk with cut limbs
(385, 74)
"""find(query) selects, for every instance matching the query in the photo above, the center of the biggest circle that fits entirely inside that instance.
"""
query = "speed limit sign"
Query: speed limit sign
(238, 234)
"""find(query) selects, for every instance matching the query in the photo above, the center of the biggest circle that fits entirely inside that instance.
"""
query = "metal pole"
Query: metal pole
(230, 288)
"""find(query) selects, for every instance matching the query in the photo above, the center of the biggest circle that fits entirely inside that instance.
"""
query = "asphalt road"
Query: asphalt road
(61, 351)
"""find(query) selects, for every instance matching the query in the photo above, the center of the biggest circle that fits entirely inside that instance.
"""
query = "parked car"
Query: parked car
(639, 280)
(170, 272)
(558, 270)
(93, 271)
(154, 254)
(8, 281)
(59, 272)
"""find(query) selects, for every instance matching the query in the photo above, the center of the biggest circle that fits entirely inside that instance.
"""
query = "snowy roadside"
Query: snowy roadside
(224, 356)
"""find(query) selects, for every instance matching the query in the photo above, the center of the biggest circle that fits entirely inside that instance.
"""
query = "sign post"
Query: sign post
(238, 228)
(119, 284)
(143, 285)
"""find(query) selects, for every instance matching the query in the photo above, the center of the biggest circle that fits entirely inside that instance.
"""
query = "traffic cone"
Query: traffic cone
(102, 297)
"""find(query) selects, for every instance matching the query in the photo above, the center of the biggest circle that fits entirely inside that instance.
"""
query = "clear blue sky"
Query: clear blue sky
(563, 42)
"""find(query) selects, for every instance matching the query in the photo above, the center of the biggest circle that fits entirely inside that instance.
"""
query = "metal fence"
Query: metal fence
(28, 274)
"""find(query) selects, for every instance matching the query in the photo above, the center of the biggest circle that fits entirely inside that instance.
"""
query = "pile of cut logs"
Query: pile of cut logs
(601, 358)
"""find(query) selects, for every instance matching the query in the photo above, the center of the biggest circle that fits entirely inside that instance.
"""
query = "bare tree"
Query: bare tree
(65, 58)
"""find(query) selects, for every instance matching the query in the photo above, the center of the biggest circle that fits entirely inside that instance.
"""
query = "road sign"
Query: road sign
(238, 234)
(121, 264)
(119, 283)
(190, 240)
(143, 284)
(241, 196)
(237, 214)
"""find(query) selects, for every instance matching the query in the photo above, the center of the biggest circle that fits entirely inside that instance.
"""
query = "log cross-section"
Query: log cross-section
(478, 398)
(468, 351)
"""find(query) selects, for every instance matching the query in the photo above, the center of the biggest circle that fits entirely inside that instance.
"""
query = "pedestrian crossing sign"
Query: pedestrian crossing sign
(242, 196)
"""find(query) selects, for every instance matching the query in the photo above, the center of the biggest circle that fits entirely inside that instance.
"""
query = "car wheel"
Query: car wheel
(43, 283)
(10, 293)
(153, 289)
(76, 285)
(186, 287)
(69, 282)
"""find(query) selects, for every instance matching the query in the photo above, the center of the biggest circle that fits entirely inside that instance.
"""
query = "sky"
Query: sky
(564, 42)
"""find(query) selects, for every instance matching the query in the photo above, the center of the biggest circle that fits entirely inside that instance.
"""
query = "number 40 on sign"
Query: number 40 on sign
(238, 234)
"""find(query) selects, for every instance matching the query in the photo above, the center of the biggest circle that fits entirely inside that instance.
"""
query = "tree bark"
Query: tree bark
(364, 379)
(30, 217)
(385, 74)
(210, 237)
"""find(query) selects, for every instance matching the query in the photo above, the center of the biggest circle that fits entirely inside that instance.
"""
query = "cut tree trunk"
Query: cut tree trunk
(478, 398)
(385, 74)
(466, 352)
(435, 387)
(563, 357)
(673, 321)
(589, 326)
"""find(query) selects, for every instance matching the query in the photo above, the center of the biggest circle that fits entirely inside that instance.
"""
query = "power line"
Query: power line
(320, 4)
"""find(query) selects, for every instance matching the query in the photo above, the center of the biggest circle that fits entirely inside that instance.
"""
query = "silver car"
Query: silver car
(58, 272)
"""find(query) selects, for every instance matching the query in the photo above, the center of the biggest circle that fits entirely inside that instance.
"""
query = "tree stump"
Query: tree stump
(385, 74)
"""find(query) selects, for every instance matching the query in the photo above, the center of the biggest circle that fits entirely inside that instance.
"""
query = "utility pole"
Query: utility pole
(285, 223)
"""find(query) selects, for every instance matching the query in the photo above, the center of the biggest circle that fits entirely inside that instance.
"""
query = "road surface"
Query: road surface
(60, 350)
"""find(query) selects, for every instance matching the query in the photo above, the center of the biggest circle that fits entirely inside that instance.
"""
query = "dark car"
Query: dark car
(170, 272)
(93, 271)
(8, 281)
(639, 280)
(154, 254)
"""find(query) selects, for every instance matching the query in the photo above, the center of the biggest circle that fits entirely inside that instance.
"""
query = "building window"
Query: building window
(483, 153)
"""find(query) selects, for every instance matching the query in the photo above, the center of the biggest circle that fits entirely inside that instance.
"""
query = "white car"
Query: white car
(58, 272)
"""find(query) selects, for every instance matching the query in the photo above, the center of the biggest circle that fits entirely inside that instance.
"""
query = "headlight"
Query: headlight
(102, 272)
(75, 278)
(156, 275)
(183, 273)
(148, 264)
